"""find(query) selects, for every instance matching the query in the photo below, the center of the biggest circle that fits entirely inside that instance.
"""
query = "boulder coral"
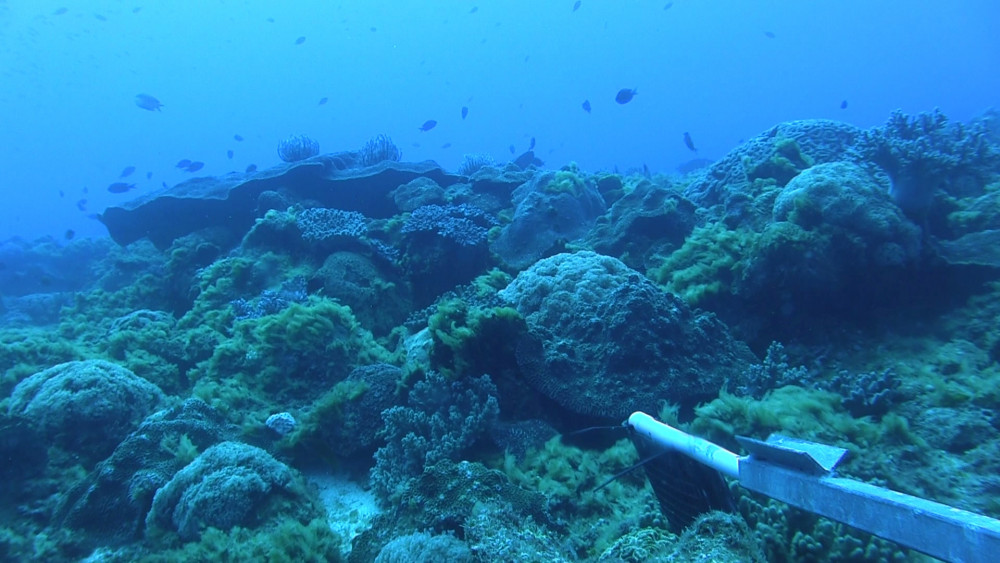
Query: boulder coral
(86, 406)
(605, 341)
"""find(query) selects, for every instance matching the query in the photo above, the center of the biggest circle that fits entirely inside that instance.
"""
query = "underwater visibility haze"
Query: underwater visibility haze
(327, 281)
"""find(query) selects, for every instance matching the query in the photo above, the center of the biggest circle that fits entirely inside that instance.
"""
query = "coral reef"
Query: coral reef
(337, 315)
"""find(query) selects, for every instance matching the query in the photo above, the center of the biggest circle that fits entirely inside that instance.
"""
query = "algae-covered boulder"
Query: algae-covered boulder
(551, 209)
(605, 341)
(856, 204)
(85, 406)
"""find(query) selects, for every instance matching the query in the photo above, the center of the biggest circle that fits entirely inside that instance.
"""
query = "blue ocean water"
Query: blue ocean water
(723, 71)
(378, 280)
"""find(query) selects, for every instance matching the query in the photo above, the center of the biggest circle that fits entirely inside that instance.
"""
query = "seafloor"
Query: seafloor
(349, 357)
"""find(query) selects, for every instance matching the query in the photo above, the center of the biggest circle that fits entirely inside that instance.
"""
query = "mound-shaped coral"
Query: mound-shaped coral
(222, 488)
(86, 406)
(606, 341)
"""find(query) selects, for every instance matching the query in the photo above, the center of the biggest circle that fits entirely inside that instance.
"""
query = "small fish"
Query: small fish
(270, 20)
(428, 125)
(164, 184)
(474, 10)
(120, 187)
(688, 142)
(769, 34)
(625, 95)
(238, 138)
(251, 168)
(511, 149)
(194, 166)
(668, 6)
(137, 9)
(86, 190)
(323, 101)
(145, 101)
(586, 106)
(465, 112)
(183, 163)
(446, 146)
(300, 40)
(149, 175)
(62, 194)
(531, 145)
(81, 204)
(127, 171)
(229, 154)
(843, 104)
(60, 11)
(99, 17)
(373, 29)
(69, 234)
(576, 5)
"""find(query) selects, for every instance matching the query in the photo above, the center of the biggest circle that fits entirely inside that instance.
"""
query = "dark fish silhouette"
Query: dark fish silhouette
(127, 171)
(688, 142)
(145, 101)
(769, 35)
(474, 10)
(164, 184)
(100, 17)
(428, 125)
(81, 204)
(183, 163)
(625, 95)
(194, 166)
(446, 146)
(238, 138)
(149, 175)
(120, 187)
(300, 40)
(62, 193)
(511, 149)
(668, 6)
(531, 145)
(86, 190)
(69, 234)
(465, 112)
(843, 104)
(323, 101)
(60, 11)
(586, 106)
(229, 154)
(527, 159)
(251, 168)
(576, 5)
